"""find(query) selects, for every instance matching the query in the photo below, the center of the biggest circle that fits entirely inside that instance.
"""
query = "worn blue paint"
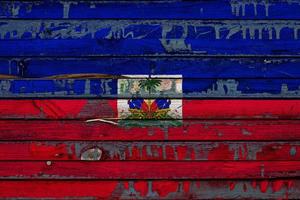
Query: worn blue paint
(192, 88)
(219, 30)
(202, 9)
(56, 88)
(189, 38)
(146, 47)
(188, 67)
(149, 37)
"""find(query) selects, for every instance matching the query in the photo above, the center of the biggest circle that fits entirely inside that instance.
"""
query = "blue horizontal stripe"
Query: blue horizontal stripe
(148, 37)
(192, 88)
(187, 67)
(82, 47)
(201, 9)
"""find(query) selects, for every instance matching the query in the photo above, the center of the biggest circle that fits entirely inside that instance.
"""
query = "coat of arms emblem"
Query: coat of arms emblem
(150, 98)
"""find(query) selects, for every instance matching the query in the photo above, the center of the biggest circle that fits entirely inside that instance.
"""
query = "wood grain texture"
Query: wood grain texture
(148, 170)
(191, 130)
(107, 109)
(188, 67)
(152, 189)
(139, 151)
(73, 124)
(235, 9)
(109, 88)
(75, 38)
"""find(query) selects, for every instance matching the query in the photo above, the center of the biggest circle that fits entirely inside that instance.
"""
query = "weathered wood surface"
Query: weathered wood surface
(152, 189)
(147, 151)
(188, 67)
(234, 67)
(75, 38)
(161, 130)
(137, 170)
(224, 9)
(110, 88)
(107, 109)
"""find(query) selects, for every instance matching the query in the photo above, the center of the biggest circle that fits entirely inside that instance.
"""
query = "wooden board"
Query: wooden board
(107, 109)
(235, 9)
(158, 189)
(110, 88)
(188, 67)
(160, 151)
(148, 170)
(191, 130)
(77, 38)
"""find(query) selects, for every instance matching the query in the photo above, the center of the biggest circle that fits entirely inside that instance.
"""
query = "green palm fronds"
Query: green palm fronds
(149, 84)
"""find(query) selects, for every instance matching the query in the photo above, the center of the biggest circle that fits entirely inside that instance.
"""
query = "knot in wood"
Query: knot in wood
(91, 154)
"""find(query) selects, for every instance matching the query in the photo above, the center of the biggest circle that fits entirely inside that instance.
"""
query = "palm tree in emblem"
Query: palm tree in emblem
(149, 84)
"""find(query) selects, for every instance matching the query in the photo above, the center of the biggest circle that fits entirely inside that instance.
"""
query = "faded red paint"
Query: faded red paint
(231, 186)
(109, 189)
(264, 186)
(279, 150)
(223, 152)
(230, 151)
(192, 109)
(40, 150)
(150, 170)
(203, 120)
(186, 186)
(277, 185)
(141, 187)
(254, 183)
(164, 188)
(213, 130)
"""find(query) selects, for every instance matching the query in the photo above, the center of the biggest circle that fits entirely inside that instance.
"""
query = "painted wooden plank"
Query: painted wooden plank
(149, 189)
(225, 9)
(148, 37)
(140, 151)
(194, 67)
(191, 109)
(166, 88)
(148, 170)
(191, 130)
(148, 47)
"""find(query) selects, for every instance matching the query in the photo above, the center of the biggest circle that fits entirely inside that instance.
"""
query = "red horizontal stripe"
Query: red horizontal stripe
(213, 189)
(200, 109)
(242, 109)
(148, 170)
(149, 151)
(190, 130)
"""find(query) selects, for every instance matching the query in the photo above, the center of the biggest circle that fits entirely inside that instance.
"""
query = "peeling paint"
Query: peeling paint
(121, 29)
(206, 190)
(229, 88)
(238, 7)
(245, 151)
(91, 88)
(15, 9)
(5, 86)
(166, 151)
